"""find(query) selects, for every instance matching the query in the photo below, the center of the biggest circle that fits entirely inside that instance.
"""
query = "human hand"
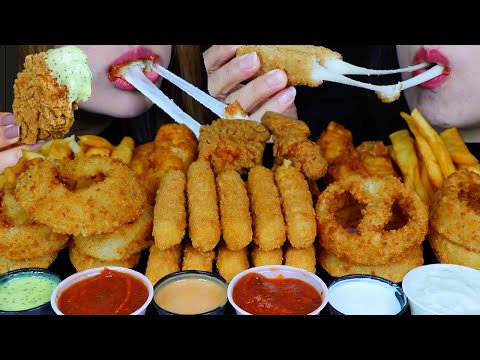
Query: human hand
(268, 92)
(9, 136)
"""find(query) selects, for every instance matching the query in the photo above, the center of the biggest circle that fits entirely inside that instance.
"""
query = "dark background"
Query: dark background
(8, 72)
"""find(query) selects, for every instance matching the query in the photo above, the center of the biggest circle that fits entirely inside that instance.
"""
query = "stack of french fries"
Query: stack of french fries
(428, 158)
(68, 148)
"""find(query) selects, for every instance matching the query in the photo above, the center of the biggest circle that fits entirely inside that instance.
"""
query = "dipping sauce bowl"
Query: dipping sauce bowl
(27, 291)
(361, 294)
(190, 292)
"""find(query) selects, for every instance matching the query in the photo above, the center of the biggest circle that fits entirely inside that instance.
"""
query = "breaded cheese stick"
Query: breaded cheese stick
(163, 262)
(194, 259)
(229, 263)
(298, 61)
(261, 257)
(268, 222)
(234, 207)
(170, 213)
(203, 214)
(297, 205)
(303, 258)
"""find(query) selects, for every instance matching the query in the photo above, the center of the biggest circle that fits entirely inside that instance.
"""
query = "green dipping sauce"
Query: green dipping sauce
(26, 291)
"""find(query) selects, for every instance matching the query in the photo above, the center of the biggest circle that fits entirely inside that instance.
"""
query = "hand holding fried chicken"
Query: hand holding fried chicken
(226, 75)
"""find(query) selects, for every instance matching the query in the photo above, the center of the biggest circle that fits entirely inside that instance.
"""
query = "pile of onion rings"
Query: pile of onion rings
(110, 197)
(454, 233)
(370, 225)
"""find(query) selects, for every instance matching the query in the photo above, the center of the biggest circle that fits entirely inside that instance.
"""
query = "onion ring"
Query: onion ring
(394, 271)
(82, 261)
(373, 242)
(454, 211)
(20, 238)
(43, 262)
(448, 252)
(122, 243)
(46, 193)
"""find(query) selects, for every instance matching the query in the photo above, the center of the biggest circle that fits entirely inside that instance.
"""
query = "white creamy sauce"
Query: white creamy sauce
(364, 297)
(449, 291)
(69, 66)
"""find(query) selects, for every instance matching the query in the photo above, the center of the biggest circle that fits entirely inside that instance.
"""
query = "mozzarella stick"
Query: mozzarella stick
(170, 213)
(268, 222)
(203, 215)
(194, 259)
(297, 205)
(229, 263)
(261, 257)
(299, 62)
(163, 262)
(303, 258)
(234, 207)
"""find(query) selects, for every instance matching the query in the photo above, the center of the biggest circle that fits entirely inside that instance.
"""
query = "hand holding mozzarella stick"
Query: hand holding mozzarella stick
(227, 74)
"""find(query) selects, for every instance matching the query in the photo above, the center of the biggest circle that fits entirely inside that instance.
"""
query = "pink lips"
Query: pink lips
(138, 53)
(432, 56)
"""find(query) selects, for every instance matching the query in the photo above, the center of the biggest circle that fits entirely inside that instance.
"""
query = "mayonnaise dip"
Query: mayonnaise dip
(364, 296)
(444, 289)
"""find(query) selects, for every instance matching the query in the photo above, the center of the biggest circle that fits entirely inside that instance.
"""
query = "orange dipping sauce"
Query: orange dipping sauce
(108, 293)
(260, 295)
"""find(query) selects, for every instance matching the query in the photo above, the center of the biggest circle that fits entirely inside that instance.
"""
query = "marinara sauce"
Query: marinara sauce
(260, 295)
(108, 293)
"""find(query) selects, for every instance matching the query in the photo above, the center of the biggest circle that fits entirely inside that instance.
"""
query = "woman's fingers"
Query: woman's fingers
(282, 103)
(259, 90)
(11, 156)
(9, 131)
(217, 56)
(222, 81)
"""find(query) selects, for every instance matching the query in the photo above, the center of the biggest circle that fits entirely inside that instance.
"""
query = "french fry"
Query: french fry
(457, 148)
(95, 141)
(425, 183)
(73, 144)
(59, 149)
(438, 146)
(124, 150)
(29, 155)
(404, 155)
(98, 151)
(426, 153)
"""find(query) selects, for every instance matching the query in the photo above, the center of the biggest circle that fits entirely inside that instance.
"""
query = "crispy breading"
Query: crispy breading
(233, 144)
(376, 159)
(194, 259)
(291, 142)
(261, 257)
(41, 105)
(163, 262)
(303, 258)
(229, 263)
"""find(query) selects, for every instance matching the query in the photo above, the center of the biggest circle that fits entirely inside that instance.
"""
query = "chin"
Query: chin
(121, 108)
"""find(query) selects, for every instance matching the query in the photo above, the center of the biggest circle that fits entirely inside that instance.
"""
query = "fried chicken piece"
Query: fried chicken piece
(291, 142)
(233, 144)
(175, 147)
(46, 92)
(376, 159)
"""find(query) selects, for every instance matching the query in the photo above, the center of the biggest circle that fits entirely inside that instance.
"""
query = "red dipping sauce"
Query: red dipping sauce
(260, 295)
(108, 293)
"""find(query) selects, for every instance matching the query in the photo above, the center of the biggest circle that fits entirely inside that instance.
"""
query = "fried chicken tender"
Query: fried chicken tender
(298, 61)
(45, 98)
(234, 206)
(268, 222)
(203, 213)
(261, 257)
(163, 262)
(291, 142)
(303, 258)
(297, 206)
(194, 259)
(232, 144)
(229, 263)
(170, 211)
(376, 159)
(175, 147)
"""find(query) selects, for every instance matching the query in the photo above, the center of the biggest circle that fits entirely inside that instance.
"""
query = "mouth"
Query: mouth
(435, 57)
(141, 55)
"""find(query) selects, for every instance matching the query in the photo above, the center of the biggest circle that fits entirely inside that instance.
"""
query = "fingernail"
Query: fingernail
(287, 96)
(7, 120)
(248, 61)
(12, 132)
(275, 77)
